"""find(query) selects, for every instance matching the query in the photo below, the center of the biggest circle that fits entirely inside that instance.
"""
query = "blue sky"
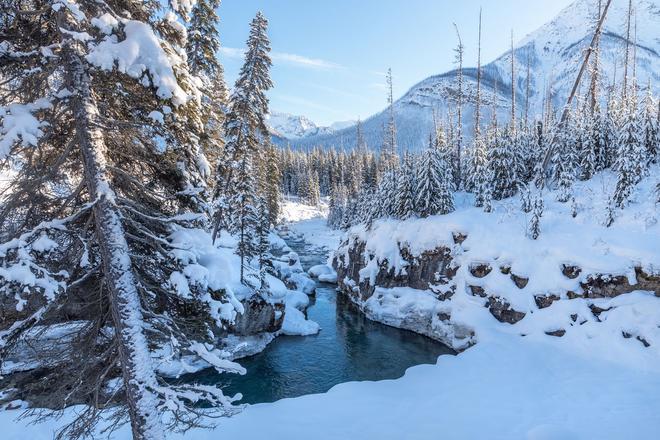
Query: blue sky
(330, 56)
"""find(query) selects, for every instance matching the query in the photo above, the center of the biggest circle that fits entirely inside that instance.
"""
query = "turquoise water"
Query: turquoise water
(348, 348)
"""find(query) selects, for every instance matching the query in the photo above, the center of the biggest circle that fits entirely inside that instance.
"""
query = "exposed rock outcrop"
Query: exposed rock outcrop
(360, 275)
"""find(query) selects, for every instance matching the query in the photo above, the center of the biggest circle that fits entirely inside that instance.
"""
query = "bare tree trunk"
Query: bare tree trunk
(585, 62)
(137, 371)
(477, 109)
(527, 79)
(459, 136)
(513, 85)
(627, 52)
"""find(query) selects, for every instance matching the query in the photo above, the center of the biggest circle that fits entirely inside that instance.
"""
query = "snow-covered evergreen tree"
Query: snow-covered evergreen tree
(480, 179)
(630, 161)
(405, 187)
(270, 182)
(650, 129)
(385, 203)
(535, 222)
(502, 167)
(565, 159)
(588, 145)
(236, 186)
(430, 173)
(105, 142)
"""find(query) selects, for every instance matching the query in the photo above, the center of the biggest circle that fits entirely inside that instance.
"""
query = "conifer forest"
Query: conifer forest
(180, 258)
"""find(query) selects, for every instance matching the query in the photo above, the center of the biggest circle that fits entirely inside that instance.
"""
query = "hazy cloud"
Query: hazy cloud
(288, 58)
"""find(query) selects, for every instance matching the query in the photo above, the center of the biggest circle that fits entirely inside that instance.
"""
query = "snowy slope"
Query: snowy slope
(285, 126)
(554, 52)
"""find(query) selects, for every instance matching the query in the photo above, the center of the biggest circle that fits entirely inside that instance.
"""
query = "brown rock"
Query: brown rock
(480, 270)
(520, 282)
(571, 272)
(502, 311)
(478, 291)
(543, 301)
(459, 238)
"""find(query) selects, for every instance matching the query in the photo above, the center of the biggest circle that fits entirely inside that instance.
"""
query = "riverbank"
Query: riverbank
(535, 387)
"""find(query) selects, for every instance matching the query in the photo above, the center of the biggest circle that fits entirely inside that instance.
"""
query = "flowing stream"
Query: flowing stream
(348, 348)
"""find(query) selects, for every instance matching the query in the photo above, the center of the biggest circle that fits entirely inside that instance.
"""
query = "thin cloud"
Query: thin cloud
(232, 52)
(379, 86)
(304, 61)
(309, 104)
(288, 58)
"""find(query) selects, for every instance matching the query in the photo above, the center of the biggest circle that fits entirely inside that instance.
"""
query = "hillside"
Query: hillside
(554, 52)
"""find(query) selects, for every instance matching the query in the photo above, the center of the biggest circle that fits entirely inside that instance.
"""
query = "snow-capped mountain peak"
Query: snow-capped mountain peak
(293, 127)
(554, 53)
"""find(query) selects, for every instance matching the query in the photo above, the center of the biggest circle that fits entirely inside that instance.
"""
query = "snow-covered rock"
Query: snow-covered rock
(459, 276)
(323, 273)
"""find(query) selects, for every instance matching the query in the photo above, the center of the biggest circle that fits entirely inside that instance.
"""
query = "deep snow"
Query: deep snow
(591, 383)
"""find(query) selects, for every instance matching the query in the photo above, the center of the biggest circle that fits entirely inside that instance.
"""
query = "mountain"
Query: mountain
(285, 127)
(554, 53)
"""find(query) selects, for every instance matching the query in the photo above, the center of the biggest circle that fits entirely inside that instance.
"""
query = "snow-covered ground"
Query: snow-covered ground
(590, 383)
(498, 241)
(309, 223)
(509, 388)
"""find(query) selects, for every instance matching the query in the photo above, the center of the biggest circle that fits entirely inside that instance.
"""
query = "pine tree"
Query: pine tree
(630, 159)
(429, 181)
(650, 129)
(481, 177)
(202, 46)
(501, 163)
(270, 181)
(404, 195)
(262, 245)
(535, 223)
(236, 186)
(565, 159)
(109, 172)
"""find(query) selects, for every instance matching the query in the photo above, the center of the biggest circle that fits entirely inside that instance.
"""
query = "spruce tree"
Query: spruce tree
(501, 163)
(246, 134)
(202, 47)
(650, 129)
(630, 161)
(565, 159)
(108, 173)
(270, 180)
(405, 187)
(429, 181)
(481, 179)
(535, 222)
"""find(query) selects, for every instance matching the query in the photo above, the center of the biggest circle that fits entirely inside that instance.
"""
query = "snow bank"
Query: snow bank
(493, 260)
(510, 388)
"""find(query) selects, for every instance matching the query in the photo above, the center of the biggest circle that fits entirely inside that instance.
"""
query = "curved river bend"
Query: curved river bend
(348, 348)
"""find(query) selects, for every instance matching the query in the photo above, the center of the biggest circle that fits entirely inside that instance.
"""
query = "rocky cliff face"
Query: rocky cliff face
(368, 282)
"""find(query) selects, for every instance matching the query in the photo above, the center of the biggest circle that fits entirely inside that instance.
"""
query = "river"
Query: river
(349, 347)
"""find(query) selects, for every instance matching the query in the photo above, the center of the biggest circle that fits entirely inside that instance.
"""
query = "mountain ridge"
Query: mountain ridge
(554, 52)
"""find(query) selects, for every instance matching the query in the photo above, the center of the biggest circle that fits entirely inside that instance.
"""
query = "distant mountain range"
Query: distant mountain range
(285, 127)
(554, 53)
